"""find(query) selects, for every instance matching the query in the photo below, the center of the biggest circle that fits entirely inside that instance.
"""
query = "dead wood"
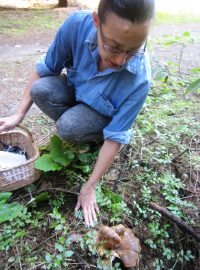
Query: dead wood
(180, 223)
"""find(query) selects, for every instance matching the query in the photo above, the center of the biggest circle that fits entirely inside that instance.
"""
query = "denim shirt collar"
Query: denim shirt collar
(132, 65)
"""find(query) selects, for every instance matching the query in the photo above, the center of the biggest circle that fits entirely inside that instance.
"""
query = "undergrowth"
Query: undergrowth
(161, 165)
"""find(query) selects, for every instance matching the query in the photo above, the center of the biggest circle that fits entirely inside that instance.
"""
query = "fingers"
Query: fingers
(94, 216)
(78, 205)
(3, 127)
(96, 207)
(89, 212)
(86, 215)
(8, 123)
(89, 215)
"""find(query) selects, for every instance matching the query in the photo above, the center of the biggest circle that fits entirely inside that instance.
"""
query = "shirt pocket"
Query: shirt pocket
(106, 107)
(71, 76)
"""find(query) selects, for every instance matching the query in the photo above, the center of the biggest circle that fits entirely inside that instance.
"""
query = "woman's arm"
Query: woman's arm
(87, 198)
(7, 123)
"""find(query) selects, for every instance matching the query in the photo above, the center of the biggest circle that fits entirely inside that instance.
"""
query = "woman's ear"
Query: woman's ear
(96, 19)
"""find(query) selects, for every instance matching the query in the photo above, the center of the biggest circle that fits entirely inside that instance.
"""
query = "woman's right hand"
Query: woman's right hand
(7, 123)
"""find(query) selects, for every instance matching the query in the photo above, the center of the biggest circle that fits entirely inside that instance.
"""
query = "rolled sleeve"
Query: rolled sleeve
(119, 129)
(42, 68)
(122, 137)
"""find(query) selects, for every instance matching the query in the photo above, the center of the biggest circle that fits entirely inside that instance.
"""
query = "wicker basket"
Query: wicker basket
(21, 175)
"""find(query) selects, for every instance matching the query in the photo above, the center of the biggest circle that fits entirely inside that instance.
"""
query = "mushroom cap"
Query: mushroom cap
(121, 241)
(130, 242)
(129, 249)
(129, 257)
(107, 239)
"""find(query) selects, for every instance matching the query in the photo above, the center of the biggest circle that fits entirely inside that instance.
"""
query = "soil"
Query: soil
(18, 54)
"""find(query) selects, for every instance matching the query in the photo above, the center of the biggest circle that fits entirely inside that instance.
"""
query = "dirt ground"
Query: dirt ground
(18, 54)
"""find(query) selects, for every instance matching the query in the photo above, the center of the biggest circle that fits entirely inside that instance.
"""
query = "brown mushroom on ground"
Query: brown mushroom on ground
(129, 249)
(107, 239)
(121, 241)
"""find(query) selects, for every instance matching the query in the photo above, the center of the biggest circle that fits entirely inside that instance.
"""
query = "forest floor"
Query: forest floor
(26, 34)
(174, 46)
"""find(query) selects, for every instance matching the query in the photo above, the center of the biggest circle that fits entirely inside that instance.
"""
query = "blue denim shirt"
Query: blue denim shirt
(117, 93)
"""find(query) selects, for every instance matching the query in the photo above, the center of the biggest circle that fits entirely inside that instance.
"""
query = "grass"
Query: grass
(180, 18)
(22, 21)
(161, 165)
(18, 22)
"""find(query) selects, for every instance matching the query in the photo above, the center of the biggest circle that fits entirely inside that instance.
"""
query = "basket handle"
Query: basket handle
(28, 133)
(24, 129)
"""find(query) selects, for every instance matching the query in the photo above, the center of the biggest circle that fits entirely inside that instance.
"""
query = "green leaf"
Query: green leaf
(68, 253)
(194, 86)
(48, 258)
(186, 34)
(62, 161)
(69, 155)
(84, 157)
(59, 227)
(62, 239)
(197, 69)
(56, 147)
(83, 168)
(10, 211)
(20, 233)
(44, 196)
(159, 75)
(45, 163)
(5, 196)
(59, 247)
(59, 257)
(84, 148)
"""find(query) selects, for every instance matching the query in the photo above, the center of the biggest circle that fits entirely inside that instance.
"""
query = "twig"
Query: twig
(52, 189)
(59, 189)
(37, 246)
(174, 159)
(20, 264)
(180, 58)
(36, 266)
(181, 224)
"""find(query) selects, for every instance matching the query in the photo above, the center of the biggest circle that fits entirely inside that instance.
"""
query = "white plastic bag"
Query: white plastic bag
(9, 160)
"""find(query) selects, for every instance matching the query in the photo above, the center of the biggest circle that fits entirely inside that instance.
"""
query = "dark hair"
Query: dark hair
(136, 11)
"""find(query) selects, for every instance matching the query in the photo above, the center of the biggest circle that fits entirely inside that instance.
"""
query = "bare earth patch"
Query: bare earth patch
(20, 48)
(19, 51)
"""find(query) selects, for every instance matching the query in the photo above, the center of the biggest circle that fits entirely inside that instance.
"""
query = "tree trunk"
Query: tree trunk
(62, 3)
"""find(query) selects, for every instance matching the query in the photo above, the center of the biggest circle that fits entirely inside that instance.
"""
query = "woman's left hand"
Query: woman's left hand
(87, 200)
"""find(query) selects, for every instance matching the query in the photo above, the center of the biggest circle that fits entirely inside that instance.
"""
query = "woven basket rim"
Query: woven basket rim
(25, 132)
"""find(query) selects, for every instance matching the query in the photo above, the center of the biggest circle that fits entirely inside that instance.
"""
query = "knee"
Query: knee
(40, 89)
(67, 130)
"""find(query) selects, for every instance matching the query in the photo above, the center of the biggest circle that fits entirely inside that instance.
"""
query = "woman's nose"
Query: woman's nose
(121, 59)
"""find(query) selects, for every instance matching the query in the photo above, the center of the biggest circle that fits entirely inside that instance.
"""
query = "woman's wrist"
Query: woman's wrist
(20, 116)
(90, 185)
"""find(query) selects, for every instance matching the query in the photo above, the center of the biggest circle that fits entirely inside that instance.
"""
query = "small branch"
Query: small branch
(180, 59)
(181, 224)
(58, 189)
(36, 266)
(51, 190)
(174, 159)
(20, 264)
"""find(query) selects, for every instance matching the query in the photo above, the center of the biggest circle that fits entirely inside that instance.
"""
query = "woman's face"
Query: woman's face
(119, 39)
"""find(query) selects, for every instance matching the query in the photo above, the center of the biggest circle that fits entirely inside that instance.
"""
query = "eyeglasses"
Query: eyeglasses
(113, 50)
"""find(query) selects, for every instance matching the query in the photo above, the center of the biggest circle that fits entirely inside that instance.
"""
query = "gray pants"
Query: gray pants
(75, 122)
